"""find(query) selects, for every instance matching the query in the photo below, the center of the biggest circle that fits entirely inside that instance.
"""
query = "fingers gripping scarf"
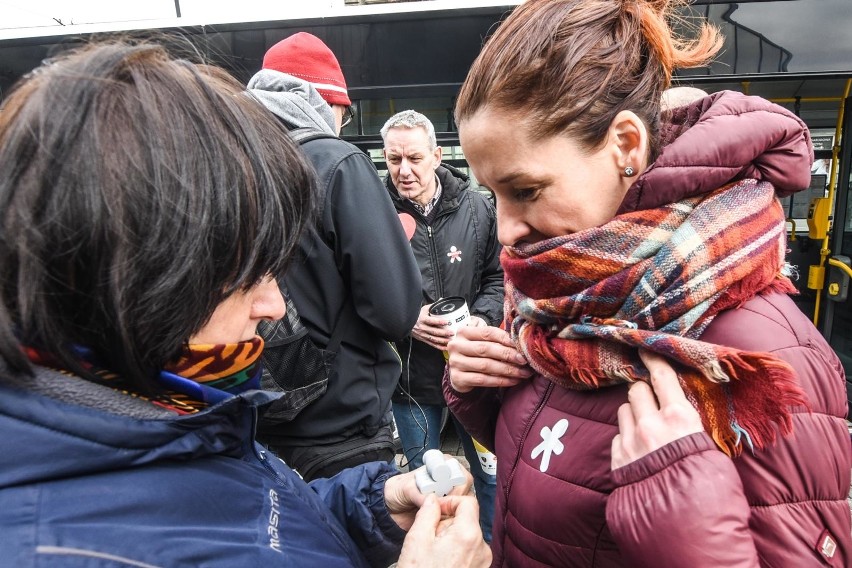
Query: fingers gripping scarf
(579, 306)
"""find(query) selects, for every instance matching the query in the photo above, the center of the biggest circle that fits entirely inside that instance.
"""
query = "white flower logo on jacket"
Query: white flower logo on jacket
(550, 443)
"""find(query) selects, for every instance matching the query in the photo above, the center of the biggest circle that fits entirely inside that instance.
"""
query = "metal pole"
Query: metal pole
(825, 251)
(840, 204)
(177, 8)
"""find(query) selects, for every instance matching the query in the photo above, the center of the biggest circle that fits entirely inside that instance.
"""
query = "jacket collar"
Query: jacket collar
(453, 183)
(57, 425)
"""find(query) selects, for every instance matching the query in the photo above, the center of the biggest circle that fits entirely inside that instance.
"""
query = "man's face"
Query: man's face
(412, 163)
(339, 111)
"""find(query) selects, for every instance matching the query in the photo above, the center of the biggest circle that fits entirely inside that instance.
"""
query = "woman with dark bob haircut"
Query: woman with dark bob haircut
(654, 397)
(146, 206)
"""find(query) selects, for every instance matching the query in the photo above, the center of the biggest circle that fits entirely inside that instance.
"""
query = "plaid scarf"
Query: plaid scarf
(580, 306)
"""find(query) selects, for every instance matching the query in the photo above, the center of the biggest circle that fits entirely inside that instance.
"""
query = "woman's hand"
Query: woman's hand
(403, 498)
(485, 357)
(446, 533)
(655, 414)
(431, 330)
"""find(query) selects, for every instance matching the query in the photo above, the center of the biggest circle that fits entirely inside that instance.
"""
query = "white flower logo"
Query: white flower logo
(454, 254)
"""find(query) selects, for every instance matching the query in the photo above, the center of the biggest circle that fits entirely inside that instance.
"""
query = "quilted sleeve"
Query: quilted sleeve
(477, 410)
(682, 505)
(355, 497)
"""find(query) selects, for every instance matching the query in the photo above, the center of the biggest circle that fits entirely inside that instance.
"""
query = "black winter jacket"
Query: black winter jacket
(358, 239)
(458, 255)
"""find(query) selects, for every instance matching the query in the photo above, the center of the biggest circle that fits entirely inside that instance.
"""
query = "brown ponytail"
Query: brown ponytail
(672, 52)
(569, 66)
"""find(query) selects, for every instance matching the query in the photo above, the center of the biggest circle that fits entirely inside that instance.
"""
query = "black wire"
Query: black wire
(405, 461)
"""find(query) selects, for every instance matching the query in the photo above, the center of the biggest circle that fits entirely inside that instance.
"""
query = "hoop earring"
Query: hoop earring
(629, 171)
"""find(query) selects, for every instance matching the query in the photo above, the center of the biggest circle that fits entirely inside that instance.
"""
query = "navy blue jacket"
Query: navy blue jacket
(90, 476)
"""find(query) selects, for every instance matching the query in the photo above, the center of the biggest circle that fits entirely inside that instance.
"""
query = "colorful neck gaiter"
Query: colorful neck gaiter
(580, 306)
(202, 375)
(212, 373)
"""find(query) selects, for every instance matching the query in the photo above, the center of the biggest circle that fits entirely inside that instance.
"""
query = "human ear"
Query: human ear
(629, 139)
(438, 153)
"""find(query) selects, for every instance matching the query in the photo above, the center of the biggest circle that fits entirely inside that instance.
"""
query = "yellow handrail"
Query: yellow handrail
(841, 266)
(824, 251)
(806, 100)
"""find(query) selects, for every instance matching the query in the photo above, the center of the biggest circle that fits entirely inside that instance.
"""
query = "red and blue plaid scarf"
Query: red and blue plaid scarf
(580, 306)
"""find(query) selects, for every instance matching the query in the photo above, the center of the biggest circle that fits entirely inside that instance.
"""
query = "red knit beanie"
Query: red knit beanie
(305, 56)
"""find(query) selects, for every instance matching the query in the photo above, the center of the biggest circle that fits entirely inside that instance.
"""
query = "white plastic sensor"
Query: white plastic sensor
(438, 474)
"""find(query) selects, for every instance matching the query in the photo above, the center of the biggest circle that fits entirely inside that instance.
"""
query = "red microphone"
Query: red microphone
(409, 225)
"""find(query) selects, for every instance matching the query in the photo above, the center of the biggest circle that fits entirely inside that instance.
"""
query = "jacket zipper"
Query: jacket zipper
(260, 452)
(539, 407)
(433, 253)
(434, 256)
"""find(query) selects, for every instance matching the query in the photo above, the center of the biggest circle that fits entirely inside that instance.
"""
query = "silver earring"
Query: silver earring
(629, 171)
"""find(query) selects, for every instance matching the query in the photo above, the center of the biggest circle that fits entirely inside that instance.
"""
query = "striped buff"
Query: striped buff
(580, 305)
(231, 367)
(201, 376)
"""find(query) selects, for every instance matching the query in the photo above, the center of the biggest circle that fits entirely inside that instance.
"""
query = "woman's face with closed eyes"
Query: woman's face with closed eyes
(544, 188)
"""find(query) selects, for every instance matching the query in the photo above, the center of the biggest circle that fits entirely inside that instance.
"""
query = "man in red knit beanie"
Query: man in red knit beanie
(339, 281)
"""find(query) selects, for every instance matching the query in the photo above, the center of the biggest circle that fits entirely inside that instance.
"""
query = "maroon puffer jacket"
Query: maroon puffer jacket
(687, 504)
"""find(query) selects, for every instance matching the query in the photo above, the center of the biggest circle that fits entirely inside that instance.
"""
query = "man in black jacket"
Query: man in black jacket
(456, 247)
(341, 275)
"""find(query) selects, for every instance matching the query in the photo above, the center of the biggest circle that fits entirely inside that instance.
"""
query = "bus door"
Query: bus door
(836, 235)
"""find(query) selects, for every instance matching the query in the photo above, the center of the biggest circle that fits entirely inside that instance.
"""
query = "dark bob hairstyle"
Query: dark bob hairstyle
(138, 192)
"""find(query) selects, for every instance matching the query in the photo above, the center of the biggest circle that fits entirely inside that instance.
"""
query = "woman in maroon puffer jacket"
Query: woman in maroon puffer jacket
(655, 398)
